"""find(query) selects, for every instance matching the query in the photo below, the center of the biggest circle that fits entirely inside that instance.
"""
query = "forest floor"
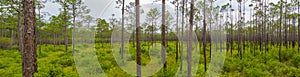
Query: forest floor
(56, 62)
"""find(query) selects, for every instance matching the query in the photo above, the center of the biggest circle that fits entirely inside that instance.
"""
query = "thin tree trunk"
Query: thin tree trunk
(189, 55)
(12, 39)
(20, 30)
(74, 28)
(239, 29)
(231, 31)
(39, 32)
(285, 25)
(266, 29)
(251, 32)
(65, 28)
(133, 36)
(280, 44)
(262, 39)
(53, 41)
(298, 28)
(138, 51)
(260, 30)
(164, 34)
(122, 37)
(210, 24)
(2, 30)
(152, 33)
(294, 32)
(182, 30)
(204, 35)
(177, 29)
(243, 32)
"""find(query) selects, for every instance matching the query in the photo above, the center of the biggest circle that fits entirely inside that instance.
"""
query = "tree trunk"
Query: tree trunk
(182, 30)
(39, 33)
(12, 39)
(164, 33)
(29, 54)
(138, 47)
(210, 24)
(74, 28)
(231, 31)
(133, 36)
(244, 33)
(66, 37)
(65, 29)
(285, 25)
(189, 55)
(293, 32)
(152, 33)
(239, 30)
(204, 35)
(122, 37)
(20, 30)
(251, 32)
(280, 44)
(54, 39)
(298, 28)
(266, 29)
(177, 29)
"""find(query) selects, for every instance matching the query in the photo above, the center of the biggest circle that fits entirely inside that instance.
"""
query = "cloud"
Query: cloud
(105, 8)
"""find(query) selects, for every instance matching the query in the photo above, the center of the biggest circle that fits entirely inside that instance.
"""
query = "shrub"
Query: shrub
(255, 72)
(4, 43)
(50, 70)
(2, 65)
(66, 61)
(296, 60)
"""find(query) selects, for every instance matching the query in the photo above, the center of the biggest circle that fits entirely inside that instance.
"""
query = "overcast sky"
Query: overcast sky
(105, 8)
(99, 8)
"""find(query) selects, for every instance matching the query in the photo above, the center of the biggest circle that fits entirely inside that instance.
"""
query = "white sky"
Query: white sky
(97, 7)
(98, 10)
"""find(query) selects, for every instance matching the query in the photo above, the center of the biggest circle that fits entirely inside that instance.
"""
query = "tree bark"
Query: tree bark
(239, 30)
(138, 51)
(74, 28)
(65, 28)
(29, 54)
(231, 31)
(20, 30)
(189, 55)
(298, 28)
(12, 39)
(204, 35)
(285, 25)
(164, 33)
(280, 44)
(122, 37)
(177, 29)
(182, 30)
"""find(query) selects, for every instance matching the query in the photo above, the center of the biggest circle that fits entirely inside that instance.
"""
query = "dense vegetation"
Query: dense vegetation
(55, 61)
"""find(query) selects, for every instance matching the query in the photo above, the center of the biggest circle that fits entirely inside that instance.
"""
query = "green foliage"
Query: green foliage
(4, 43)
(296, 61)
(56, 62)
(255, 72)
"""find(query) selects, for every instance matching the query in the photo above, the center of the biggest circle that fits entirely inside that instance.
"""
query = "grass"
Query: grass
(56, 62)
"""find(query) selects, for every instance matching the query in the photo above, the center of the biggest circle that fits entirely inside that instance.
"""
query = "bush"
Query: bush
(51, 70)
(4, 43)
(255, 72)
(2, 65)
(287, 54)
(296, 60)
(66, 61)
